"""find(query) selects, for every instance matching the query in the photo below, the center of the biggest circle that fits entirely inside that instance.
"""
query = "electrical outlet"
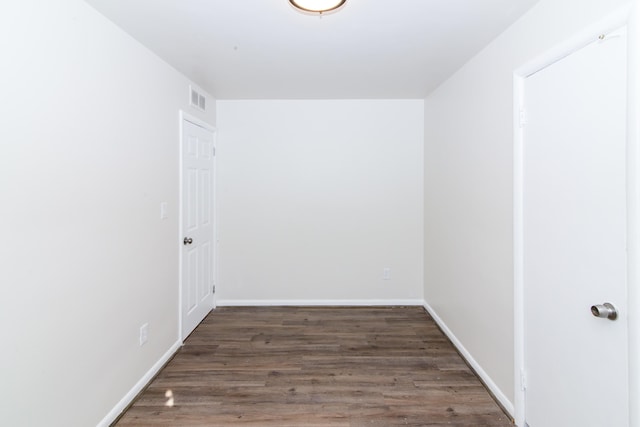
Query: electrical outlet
(386, 273)
(144, 333)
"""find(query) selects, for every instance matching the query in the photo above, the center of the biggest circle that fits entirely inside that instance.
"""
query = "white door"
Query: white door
(574, 237)
(197, 238)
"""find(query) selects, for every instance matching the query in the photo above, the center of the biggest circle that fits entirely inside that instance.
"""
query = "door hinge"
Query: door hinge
(213, 289)
(214, 151)
(523, 380)
(522, 118)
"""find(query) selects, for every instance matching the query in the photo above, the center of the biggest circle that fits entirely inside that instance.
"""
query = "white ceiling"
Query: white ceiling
(264, 49)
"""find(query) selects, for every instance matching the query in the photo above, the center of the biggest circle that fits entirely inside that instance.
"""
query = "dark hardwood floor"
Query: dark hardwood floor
(316, 366)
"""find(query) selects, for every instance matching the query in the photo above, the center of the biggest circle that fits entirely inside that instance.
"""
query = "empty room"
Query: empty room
(320, 213)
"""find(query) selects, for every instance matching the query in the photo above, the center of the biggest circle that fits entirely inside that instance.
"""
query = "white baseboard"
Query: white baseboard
(497, 392)
(328, 303)
(137, 388)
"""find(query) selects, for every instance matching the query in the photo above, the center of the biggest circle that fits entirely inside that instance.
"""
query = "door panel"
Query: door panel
(191, 281)
(574, 238)
(197, 225)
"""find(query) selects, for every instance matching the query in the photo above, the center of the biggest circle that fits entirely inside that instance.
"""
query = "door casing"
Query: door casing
(628, 15)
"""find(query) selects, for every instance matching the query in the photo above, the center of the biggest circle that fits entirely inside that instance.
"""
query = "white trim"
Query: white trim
(633, 214)
(314, 302)
(196, 121)
(617, 19)
(184, 116)
(518, 252)
(138, 387)
(486, 379)
(613, 21)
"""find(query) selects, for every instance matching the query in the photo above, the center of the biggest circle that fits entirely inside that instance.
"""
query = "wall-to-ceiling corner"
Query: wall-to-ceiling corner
(469, 188)
(88, 151)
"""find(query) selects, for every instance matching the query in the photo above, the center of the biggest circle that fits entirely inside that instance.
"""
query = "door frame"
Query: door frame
(184, 116)
(628, 15)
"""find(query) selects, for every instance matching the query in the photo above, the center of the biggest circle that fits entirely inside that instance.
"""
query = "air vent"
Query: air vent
(197, 99)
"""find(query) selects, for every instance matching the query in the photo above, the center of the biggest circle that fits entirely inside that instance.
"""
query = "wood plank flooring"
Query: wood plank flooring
(316, 366)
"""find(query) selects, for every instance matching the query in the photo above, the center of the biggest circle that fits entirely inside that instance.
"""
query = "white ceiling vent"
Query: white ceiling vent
(197, 99)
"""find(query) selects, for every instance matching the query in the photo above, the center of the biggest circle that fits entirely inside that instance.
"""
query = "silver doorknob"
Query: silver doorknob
(605, 310)
(188, 240)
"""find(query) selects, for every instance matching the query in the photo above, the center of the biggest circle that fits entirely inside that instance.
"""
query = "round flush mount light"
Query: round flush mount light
(317, 7)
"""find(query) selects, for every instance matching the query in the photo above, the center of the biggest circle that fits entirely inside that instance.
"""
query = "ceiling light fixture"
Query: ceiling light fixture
(317, 7)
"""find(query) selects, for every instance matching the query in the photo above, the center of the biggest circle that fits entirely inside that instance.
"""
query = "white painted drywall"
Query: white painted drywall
(88, 150)
(469, 185)
(316, 198)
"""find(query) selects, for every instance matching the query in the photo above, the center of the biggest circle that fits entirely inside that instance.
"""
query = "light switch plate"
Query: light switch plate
(144, 333)
(163, 210)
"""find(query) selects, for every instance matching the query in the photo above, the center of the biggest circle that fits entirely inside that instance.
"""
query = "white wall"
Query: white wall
(469, 185)
(88, 150)
(316, 198)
